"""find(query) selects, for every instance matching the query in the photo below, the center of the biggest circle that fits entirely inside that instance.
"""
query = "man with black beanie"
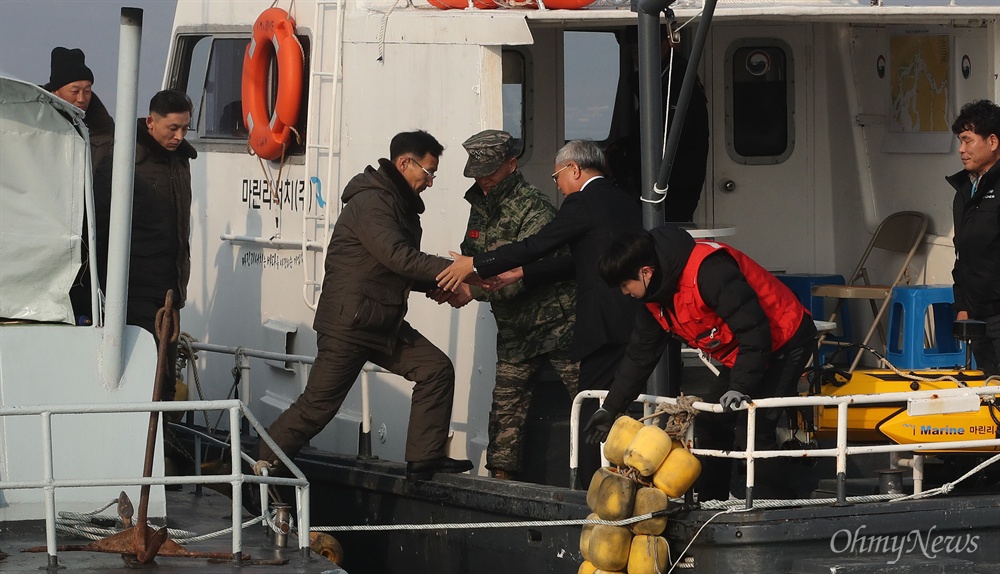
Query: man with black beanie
(71, 80)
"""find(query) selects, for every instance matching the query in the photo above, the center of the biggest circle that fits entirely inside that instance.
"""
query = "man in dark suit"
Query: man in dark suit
(594, 211)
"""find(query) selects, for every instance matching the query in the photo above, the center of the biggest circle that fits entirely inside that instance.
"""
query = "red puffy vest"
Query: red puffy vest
(699, 325)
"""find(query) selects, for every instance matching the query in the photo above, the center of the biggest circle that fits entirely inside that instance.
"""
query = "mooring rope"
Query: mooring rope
(681, 415)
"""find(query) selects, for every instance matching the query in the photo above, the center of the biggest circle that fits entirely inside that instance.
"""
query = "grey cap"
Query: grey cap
(487, 150)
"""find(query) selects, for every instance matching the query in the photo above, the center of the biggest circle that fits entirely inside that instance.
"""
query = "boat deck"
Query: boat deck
(199, 513)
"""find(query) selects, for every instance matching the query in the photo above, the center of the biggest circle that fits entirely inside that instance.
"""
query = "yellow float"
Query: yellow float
(648, 449)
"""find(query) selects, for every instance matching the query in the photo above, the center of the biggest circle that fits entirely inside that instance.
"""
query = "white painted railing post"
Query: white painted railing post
(120, 231)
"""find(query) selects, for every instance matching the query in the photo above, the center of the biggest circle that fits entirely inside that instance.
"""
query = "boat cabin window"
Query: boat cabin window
(515, 91)
(210, 69)
(591, 66)
(759, 101)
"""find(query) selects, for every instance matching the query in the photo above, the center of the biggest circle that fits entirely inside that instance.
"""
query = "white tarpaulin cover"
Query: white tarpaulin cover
(44, 176)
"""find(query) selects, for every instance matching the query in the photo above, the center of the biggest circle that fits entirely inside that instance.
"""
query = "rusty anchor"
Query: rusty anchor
(140, 540)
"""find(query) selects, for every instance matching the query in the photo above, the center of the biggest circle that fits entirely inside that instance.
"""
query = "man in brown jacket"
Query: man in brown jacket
(373, 262)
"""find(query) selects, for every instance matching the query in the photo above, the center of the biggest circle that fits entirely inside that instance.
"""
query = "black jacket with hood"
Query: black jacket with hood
(724, 288)
(374, 260)
(977, 243)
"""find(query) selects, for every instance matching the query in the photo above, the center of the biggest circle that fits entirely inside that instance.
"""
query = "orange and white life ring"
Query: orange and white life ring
(273, 36)
(463, 4)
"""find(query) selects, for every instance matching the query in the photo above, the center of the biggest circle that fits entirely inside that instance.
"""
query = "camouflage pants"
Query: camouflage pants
(511, 400)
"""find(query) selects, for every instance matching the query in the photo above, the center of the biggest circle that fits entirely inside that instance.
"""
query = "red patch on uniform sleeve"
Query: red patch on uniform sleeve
(473, 234)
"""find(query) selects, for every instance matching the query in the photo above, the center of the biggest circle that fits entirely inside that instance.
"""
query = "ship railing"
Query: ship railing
(841, 451)
(242, 355)
(237, 412)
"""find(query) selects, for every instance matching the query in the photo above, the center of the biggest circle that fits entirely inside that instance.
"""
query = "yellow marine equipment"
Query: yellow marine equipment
(919, 420)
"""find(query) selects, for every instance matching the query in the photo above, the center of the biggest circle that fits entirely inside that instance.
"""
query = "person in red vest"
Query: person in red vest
(716, 299)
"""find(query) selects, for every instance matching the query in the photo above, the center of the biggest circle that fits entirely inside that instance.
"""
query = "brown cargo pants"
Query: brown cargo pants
(338, 364)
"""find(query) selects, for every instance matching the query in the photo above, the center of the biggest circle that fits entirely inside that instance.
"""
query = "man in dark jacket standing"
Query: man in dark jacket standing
(716, 299)
(373, 262)
(593, 212)
(71, 80)
(160, 252)
(976, 211)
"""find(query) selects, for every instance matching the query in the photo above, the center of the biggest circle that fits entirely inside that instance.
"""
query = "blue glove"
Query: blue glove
(597, 428)
(731, 400)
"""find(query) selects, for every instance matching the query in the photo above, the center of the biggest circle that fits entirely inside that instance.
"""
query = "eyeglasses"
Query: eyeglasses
(429, 175)
(555, 176)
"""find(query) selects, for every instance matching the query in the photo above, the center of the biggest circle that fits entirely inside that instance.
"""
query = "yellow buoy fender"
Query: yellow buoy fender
(609, 547)
(585, 536)
(621, 435)
(650, 500)
(611, 495)
(586, 568)
(678, 472)
(648, 555)
(648, 449)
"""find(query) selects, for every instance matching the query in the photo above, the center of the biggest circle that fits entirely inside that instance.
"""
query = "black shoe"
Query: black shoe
(425, 469)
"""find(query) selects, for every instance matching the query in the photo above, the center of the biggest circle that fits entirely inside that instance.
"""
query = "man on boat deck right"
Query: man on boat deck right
(977, 227)
(717, 299)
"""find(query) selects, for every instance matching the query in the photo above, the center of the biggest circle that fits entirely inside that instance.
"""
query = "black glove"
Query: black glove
(597, 428)
(731, 400)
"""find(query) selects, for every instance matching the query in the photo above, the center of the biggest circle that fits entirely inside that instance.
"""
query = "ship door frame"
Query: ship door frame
(769, 198)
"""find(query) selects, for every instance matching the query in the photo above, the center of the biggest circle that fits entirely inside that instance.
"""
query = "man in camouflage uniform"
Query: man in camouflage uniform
(534, 326)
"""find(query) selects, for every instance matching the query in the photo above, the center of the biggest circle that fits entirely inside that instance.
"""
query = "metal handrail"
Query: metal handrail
(365, 444)
(840, 452)
(236, 410)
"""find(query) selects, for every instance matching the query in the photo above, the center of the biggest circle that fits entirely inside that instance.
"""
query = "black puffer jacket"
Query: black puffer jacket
(977, 243)
(724, 288)
(374, 260)
(160, 253)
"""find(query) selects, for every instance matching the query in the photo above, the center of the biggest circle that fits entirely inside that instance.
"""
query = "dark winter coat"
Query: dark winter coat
(587, 221)
(160, 252)
(374, 260)
(724, 288)
(977, 243)
(102, 131)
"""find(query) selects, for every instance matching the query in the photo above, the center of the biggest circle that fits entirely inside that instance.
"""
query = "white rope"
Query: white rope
(793, 502)
(680, 556)
(666, 120)
(381, 31)
(477, 525)
(79, 524)
(84, 516)
(218, 533)
(661, 192)
(949, 486)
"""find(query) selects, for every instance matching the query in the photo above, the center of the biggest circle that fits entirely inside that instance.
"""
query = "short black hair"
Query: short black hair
(418, 143)
(981, 117)
(629, 252)
(170, 102)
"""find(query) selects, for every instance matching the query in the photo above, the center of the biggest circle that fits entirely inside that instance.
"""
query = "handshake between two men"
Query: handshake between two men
(455, 283)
